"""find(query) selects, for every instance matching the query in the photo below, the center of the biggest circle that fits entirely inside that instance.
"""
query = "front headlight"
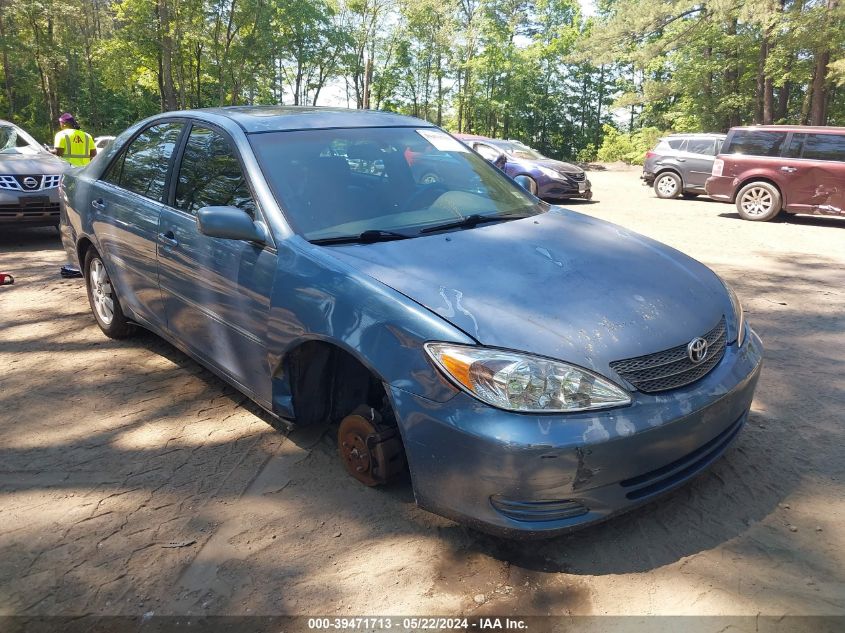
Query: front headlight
(525, 383)
(739, 315)
(551, 173)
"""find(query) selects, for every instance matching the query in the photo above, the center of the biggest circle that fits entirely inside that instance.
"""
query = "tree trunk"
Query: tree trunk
(168, 94)
(7, 70)
(819, 100)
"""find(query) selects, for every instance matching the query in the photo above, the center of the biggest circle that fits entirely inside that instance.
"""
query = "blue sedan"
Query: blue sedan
(534, 369)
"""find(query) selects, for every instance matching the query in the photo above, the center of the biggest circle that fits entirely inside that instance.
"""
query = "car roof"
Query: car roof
(792, 128)
(695, 134)
(257, 119)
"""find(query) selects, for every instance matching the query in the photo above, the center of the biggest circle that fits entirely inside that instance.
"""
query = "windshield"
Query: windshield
(14, 140)
(518, 150)
(344, 182)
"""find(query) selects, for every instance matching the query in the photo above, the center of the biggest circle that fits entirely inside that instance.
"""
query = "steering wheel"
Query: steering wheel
(425, 195)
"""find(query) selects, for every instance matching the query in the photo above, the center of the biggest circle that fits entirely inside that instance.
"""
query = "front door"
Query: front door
(127, 203)
(216, 291)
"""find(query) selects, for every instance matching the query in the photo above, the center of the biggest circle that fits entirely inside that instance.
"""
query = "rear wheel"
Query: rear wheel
(103, 298)
(759, 202)
(667, 185)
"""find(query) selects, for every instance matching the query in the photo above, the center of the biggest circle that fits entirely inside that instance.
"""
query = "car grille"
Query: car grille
(578, 176)
(672, 368)
(29, 183)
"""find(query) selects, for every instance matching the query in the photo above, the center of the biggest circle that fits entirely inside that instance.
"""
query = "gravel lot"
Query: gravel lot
(133, 481)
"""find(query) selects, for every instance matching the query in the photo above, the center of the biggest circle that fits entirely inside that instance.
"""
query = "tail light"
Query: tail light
(650, 154)
(718, 167)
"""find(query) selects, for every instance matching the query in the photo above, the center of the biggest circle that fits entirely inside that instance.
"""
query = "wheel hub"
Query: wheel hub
(354, 451)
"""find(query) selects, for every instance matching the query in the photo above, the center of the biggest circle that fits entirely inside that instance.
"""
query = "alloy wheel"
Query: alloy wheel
(757, 201)
(101, 291)
(667, 186)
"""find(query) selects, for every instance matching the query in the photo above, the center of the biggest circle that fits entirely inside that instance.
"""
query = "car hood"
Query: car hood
(31, 165)
(561, 285)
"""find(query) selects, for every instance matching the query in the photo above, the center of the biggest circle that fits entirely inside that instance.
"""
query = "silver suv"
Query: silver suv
(680, 164)
(29, 180)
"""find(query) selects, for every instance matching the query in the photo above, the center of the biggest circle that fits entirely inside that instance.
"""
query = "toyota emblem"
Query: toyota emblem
(30, 183)
(697, 350)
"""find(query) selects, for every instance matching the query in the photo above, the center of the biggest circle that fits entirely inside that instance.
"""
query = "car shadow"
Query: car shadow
(802, 220)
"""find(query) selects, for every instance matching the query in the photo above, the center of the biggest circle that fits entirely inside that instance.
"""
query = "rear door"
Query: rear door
(697, 159)
(216, 291)
(126, 203)
(816, 173)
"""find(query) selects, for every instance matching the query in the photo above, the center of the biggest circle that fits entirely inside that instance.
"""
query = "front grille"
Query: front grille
(29, 183)
(672, 368)
(579, 176)
(670, 475)
(538, 510)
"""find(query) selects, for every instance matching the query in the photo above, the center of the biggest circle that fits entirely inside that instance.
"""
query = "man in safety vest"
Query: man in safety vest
(73, 144)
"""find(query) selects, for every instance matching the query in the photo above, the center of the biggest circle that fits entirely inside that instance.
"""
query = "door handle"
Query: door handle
(788, 169)
(168, 239)
(98, 204)
(682, 160)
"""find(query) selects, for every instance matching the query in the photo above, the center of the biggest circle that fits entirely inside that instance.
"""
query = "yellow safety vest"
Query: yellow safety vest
(77, 146)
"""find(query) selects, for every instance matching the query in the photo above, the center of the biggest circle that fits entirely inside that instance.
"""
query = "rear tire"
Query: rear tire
(103, 298)
(759, 202)
(668, 185)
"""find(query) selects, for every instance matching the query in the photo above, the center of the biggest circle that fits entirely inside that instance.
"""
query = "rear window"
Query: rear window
(702, 146)
(824, 147)
(756, 142)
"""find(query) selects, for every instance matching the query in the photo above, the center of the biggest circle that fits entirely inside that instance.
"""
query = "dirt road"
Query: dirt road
(132, 481)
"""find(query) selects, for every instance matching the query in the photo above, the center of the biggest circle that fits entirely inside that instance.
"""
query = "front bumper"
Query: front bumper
(522, 475)
(39, 208)
(563, 189)
(721, 188)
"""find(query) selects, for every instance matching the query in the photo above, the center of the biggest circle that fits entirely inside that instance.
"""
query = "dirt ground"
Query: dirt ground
(132, 481)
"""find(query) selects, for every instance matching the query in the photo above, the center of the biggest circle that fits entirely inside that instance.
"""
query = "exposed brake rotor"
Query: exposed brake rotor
(369, 455)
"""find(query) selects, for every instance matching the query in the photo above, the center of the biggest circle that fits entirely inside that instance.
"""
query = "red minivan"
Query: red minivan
(771, 168)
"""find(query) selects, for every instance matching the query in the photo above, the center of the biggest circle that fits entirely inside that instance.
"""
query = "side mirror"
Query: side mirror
(230, 223)
(526, 183)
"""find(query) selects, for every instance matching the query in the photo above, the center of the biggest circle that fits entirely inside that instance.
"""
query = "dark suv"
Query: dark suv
(767, 169)
(681, 163)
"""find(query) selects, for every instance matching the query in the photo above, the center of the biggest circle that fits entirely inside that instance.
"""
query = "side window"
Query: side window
(210, 175)
(142, 166)
(824, 147)
(793, 150)
(486, 151)
(701, 146)
(674, 143)
(756, 142)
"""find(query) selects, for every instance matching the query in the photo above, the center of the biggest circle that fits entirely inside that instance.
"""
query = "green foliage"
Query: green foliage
(627, 147)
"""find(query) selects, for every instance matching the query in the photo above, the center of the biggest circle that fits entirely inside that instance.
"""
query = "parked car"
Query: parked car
(550, 180)
(773, 168)
(102, 142)
(538, 369)
(29, 180)
(680, 164)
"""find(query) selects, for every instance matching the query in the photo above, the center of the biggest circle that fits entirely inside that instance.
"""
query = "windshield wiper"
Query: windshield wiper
(471, 221)
(367, 237)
